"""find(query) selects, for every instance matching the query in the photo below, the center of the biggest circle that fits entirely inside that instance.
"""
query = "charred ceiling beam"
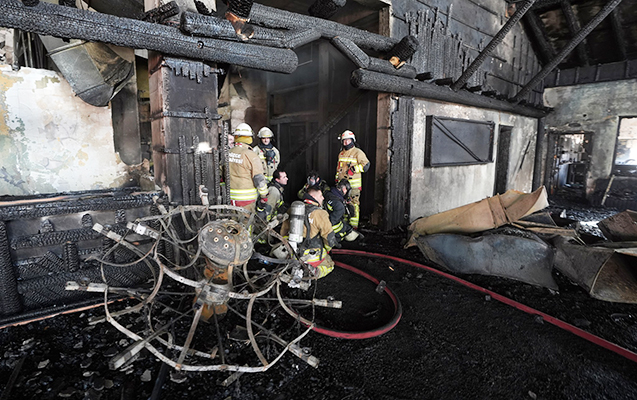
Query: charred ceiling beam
(362, 60)
(604, 12)
(539, 36)
(72, 23)
(275, 18)
(202, 25)
(574, 27)
(544, 4)
(618, 33)
(495, 41)
(592, 74)
(371, 80)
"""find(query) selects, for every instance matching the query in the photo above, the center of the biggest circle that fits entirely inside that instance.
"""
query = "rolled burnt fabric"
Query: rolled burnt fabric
(240, 8)
(404, 49)
(325, 8)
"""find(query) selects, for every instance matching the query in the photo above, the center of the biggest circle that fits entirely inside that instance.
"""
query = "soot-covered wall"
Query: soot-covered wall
(50, 140)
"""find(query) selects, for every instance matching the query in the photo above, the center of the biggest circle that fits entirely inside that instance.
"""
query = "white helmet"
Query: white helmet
(265, 132)
(348, 135)
(243, 130)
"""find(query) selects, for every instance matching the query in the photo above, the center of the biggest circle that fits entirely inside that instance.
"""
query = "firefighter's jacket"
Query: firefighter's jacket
(275, 199)
(356, 160)
(321, 238)
(247, 182)
(337, 209)
(270, 159)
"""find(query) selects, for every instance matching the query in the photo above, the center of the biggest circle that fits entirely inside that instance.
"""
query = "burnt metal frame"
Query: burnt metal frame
(428, 141)
(603, 13)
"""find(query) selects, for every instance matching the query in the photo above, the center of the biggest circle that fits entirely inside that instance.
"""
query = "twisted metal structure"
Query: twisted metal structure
(207, 281)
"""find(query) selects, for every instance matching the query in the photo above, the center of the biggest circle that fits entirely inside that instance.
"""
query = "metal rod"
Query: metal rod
(496, 40)
(608, 8)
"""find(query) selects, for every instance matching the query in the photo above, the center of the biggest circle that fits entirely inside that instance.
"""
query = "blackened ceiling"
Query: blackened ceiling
(551, 24)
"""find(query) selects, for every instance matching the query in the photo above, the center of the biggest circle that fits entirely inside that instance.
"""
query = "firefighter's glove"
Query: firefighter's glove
(263, 208)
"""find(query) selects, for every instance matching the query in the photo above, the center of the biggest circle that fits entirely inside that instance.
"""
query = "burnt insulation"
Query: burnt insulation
(50, 290)
(77, 205)
(404, 49)
(201, 25)
(53, 238)
(161, 13)
(275, 18)
(65, 22)
(87, 221)
(51, 263)
(9, 299)
(362, 60)
(371, 80)
(71, 257)
(325, 8)
(240, 8)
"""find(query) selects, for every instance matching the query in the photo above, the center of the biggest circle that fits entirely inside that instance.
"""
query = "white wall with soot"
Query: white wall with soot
(50, 140)
(437, 189)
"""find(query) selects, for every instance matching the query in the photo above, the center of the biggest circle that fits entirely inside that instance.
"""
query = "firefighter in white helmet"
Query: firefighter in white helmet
(269, 155)
(352, 162)
(247, 182)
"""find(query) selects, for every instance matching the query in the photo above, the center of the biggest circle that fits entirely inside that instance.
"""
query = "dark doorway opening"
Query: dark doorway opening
(502, 160)
(569, 162)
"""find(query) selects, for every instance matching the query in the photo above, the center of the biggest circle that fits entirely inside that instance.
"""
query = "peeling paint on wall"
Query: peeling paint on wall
(437, 189)
(50, 140)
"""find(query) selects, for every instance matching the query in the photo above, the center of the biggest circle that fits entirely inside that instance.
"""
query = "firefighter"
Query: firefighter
(269, 155)
(336, 203)
(352, 162)
(313, 179)
(275, 193)
(318, 236)
(247, 182)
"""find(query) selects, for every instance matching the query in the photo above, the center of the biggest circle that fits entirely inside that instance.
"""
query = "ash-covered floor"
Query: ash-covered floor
(451, 343)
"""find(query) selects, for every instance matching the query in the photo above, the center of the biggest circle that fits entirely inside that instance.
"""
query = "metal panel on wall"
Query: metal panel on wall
(452, 141)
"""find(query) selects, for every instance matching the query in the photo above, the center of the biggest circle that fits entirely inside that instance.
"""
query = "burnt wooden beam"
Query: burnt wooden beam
(274, 18)
(618, 33)
(539, 36)
(593, 73)
(495, 41)
(539, 77)
(542, 4)
(371, 80)
(73, 23)
(574, 27)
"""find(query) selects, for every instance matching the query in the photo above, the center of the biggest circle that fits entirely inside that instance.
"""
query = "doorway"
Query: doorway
(569, 161)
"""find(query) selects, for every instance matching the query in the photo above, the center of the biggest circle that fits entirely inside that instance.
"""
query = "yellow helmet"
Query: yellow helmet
(265, 132)
(347, 135)
(243, 130)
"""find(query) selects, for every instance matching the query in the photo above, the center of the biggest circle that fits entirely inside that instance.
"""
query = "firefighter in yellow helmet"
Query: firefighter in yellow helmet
(352, 162)
(269, 155)
(247, 182)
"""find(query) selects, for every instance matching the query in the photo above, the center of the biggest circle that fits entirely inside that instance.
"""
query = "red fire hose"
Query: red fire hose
(398, 312)
(559, 323)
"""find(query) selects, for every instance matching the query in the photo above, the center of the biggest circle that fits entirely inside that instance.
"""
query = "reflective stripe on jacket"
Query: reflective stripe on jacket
(245, 167)
(355, 158)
